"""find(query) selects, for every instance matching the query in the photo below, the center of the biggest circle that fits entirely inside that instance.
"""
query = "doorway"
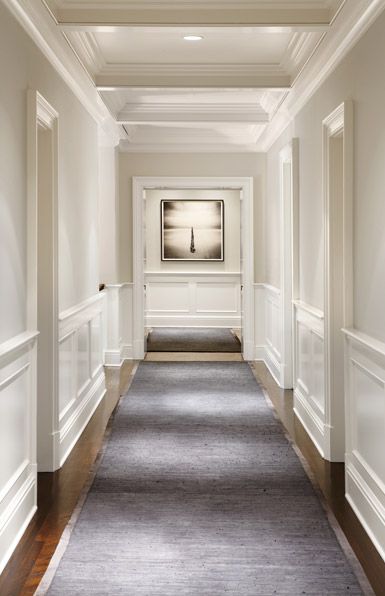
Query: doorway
(338, 212)
(142, 187)
(42, 254)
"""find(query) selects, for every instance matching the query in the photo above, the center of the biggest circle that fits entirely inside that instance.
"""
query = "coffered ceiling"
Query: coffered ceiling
(221, 92)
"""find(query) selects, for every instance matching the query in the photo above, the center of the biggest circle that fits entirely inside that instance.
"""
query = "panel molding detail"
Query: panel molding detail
(365, 421)
(118, 340)
(81, 373)
(18, 469)
(189, 299)
(309, 372)
(268, 321)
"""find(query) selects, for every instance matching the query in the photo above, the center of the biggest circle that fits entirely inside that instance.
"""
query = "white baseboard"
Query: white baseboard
(309, 420)
(263, 354)
(126, 352)
(75, 425)
(193, 321)
(112, 358)
(366, 505)
(15, 519)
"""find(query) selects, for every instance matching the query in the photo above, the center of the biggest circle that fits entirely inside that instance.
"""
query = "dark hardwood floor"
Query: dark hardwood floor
(59, 492)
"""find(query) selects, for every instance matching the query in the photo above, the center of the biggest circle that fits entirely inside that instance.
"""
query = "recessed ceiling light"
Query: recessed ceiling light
(192, 37)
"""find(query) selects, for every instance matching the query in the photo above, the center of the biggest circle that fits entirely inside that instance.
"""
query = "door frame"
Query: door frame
(245, 186)
(338, 244)
(289, 258)
(42, 114)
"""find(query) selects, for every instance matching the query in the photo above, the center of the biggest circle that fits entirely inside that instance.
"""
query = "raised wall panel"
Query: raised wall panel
(83, 356)
(81, 376)
(368, 402)
(168, 297)
(18, 470)
(217, 298)
(66, 369)
(365, 424)
(309, 372)
(96, 343)
(192, 299)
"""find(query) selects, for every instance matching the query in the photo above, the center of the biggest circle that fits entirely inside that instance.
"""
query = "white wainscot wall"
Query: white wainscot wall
(188, 299)
(81, 373)
(118, 341)
(268, 329)
(309, 372)
(365, 432)
(18, 470)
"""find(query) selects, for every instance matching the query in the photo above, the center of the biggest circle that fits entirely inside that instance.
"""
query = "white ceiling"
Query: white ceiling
(221, 92)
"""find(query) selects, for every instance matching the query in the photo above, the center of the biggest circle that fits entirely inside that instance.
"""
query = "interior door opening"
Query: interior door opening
(192, 271)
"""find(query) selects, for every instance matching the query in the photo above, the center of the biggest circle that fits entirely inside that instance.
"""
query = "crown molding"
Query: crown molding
(40, 26)
(184, 112)
(203, 147)
(190, 13)
(350, 25)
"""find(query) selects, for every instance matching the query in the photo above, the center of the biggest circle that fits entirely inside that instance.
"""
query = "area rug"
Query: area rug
(200, 493)
(188, 339)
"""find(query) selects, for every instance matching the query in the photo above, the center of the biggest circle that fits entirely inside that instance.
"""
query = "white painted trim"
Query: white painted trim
(177, 320)
(338, 246)
(18, 496)
(70, 433)
(350, 25)
(78, 308)
(245, 185)
(289, 217)
(41, 114)
(192, 274)
(38, 23)
(312, 310)
(365, 487)
(9, 348)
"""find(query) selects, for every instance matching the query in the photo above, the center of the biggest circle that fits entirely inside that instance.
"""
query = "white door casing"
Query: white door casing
(245, 186)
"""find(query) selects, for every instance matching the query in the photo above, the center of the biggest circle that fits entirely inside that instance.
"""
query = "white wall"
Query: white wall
(358, 78)
(168, 164)
(22, 67)
(108, 212)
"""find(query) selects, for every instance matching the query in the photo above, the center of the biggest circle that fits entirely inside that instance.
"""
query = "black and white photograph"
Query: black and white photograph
(192, 230)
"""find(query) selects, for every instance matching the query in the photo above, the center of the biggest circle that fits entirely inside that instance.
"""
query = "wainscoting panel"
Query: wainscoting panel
(18, 470)
(365, 425)
(81, 374)
(118, 343)
(193, 299)
(273, 332)
(309, 373)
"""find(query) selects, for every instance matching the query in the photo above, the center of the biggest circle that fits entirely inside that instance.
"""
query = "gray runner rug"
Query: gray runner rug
(187, 339)
(200, 493)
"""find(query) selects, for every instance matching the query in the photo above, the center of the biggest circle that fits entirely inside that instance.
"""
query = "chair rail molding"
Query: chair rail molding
(364, 462)
(245, 186)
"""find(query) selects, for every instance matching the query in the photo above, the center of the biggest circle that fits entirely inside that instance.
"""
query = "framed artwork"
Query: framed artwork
(192, 230)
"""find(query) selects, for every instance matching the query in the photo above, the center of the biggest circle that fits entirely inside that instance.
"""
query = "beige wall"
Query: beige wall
(358, 78)
(148, 164)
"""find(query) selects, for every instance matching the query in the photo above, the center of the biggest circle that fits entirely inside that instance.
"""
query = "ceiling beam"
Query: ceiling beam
(309, 19)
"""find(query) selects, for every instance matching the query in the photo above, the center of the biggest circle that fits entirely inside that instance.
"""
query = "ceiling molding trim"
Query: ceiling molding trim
(308, 18)
(127, 147)
(351, 24)
(40, 26)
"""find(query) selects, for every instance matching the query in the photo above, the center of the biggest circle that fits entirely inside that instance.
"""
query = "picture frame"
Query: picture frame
(192, 230)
